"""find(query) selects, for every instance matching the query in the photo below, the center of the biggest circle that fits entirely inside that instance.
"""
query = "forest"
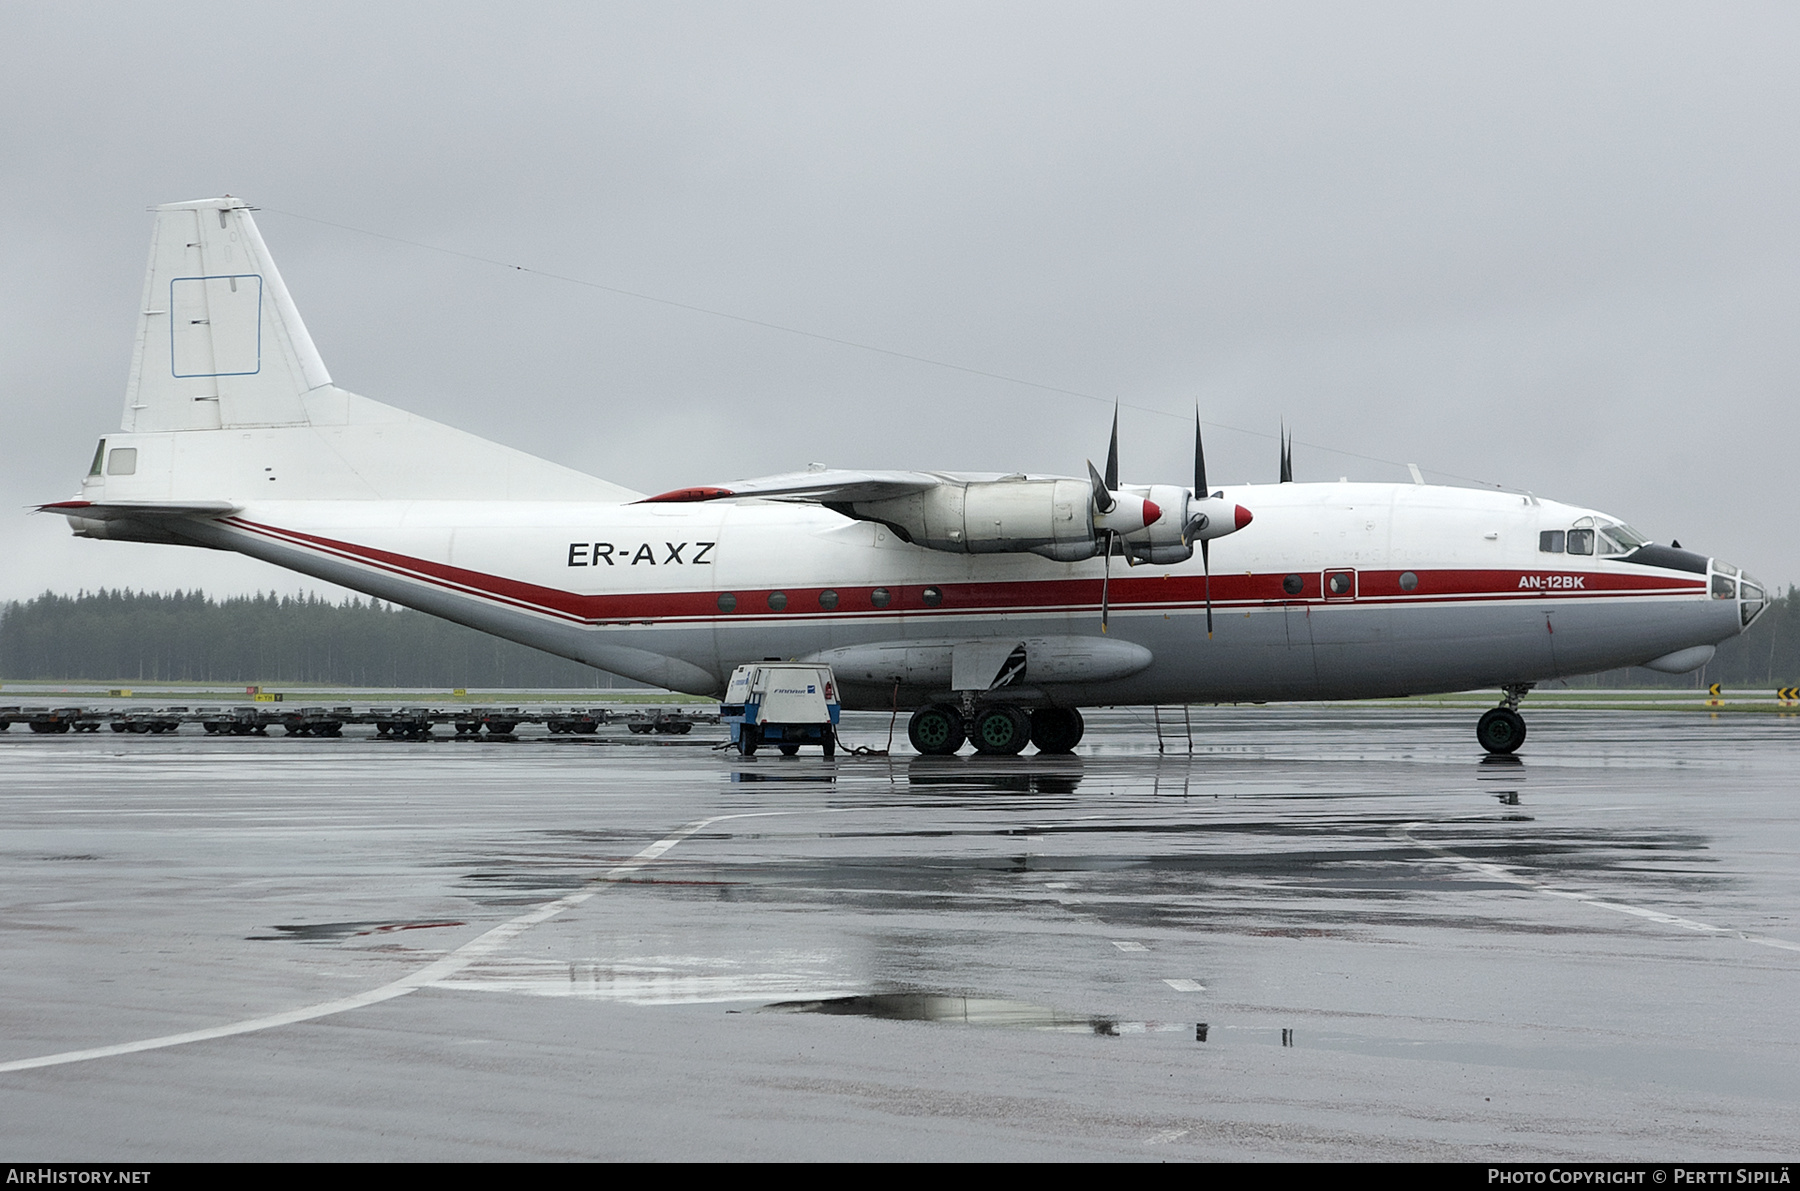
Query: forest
(127, 636)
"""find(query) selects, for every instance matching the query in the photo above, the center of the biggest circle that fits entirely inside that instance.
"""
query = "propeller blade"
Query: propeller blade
(1103, 497)
(1287, 455)
(1112, 454)
(1106, 580)
(1206, 568)
(1200, 492)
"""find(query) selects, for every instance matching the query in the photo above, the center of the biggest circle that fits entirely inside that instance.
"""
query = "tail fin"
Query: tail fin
(219, 343)
(221, 348)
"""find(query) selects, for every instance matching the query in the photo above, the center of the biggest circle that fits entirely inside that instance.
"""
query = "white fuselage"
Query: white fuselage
(681, 594)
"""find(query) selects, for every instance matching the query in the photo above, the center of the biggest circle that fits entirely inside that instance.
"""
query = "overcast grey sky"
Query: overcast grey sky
(1547, 246)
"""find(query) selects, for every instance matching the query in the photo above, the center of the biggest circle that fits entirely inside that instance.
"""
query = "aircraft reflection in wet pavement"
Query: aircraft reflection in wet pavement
(987, 604)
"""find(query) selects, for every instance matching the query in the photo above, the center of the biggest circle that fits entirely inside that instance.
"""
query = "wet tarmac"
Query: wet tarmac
(1329, 933)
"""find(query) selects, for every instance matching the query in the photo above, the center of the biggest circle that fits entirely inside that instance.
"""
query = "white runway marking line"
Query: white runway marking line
(1128, 945)
(476, 948)
(1502, 874)
(1182, 984)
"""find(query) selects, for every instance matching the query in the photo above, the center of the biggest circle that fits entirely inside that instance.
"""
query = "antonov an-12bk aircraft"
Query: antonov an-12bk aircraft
(992, 606)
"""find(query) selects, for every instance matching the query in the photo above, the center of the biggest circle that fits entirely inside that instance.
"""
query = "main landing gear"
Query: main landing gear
(997, 729)
(1502, 730)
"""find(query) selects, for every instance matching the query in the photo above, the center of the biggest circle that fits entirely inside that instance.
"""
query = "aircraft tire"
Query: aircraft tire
(1001, 730)
(937, 730)
(1056, 729)
(1501, 730)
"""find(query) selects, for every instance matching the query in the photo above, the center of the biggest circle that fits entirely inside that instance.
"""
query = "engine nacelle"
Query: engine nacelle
(1185, 521)
(1165, 539)
(1053, 518)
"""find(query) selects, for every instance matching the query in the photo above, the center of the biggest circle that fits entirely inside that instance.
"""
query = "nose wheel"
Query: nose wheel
(1502, 730)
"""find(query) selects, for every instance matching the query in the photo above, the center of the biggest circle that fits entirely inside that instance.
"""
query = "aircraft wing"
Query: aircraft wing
(821, 486)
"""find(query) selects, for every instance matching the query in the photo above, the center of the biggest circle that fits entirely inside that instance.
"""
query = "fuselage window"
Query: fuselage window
(727, 602)
(880, 597)
(1339, 584)
(1409, 581)
(932, 597)
(1551, 541)
(122, 462)
(1293, 584)
(777, 600)
(828, 598)
(1581, 541)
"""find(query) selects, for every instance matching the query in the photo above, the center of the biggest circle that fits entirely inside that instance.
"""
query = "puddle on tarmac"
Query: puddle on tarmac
(1011, 775)
(745, 775)
(958, 1009)
(337, 932)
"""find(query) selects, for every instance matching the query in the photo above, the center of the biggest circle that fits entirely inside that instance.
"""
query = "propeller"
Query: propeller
(1137, 522)
(1104, 503)
(1201, 493)
(1287, 455)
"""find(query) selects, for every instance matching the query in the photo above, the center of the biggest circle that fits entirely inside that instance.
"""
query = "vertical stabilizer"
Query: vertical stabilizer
(219, 342)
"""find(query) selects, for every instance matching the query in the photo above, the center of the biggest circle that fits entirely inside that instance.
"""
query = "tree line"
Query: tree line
(127, 636)
(187, 636)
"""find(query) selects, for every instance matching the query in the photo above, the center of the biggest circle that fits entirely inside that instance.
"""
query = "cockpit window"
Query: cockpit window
(1753, 596)
(1619, 538)
(1590, 535)
(99, 454)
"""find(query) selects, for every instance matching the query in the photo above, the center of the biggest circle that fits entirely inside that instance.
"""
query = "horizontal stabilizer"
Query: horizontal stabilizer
(120, 510)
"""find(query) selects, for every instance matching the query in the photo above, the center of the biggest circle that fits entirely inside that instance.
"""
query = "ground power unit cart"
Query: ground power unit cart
(785, 704)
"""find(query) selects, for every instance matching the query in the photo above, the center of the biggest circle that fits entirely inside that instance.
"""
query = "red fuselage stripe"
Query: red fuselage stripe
(1166, 593)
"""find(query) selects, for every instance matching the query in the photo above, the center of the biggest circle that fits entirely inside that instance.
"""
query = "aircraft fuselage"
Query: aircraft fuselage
(1338, 591)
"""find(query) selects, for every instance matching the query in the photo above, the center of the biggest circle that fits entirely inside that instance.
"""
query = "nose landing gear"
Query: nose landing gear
(1502, 730)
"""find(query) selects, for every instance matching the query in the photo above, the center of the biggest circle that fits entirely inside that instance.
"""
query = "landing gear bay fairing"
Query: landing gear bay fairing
(993, 607)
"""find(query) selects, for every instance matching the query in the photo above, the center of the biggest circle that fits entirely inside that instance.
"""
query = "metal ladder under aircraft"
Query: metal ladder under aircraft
(1168, 730)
